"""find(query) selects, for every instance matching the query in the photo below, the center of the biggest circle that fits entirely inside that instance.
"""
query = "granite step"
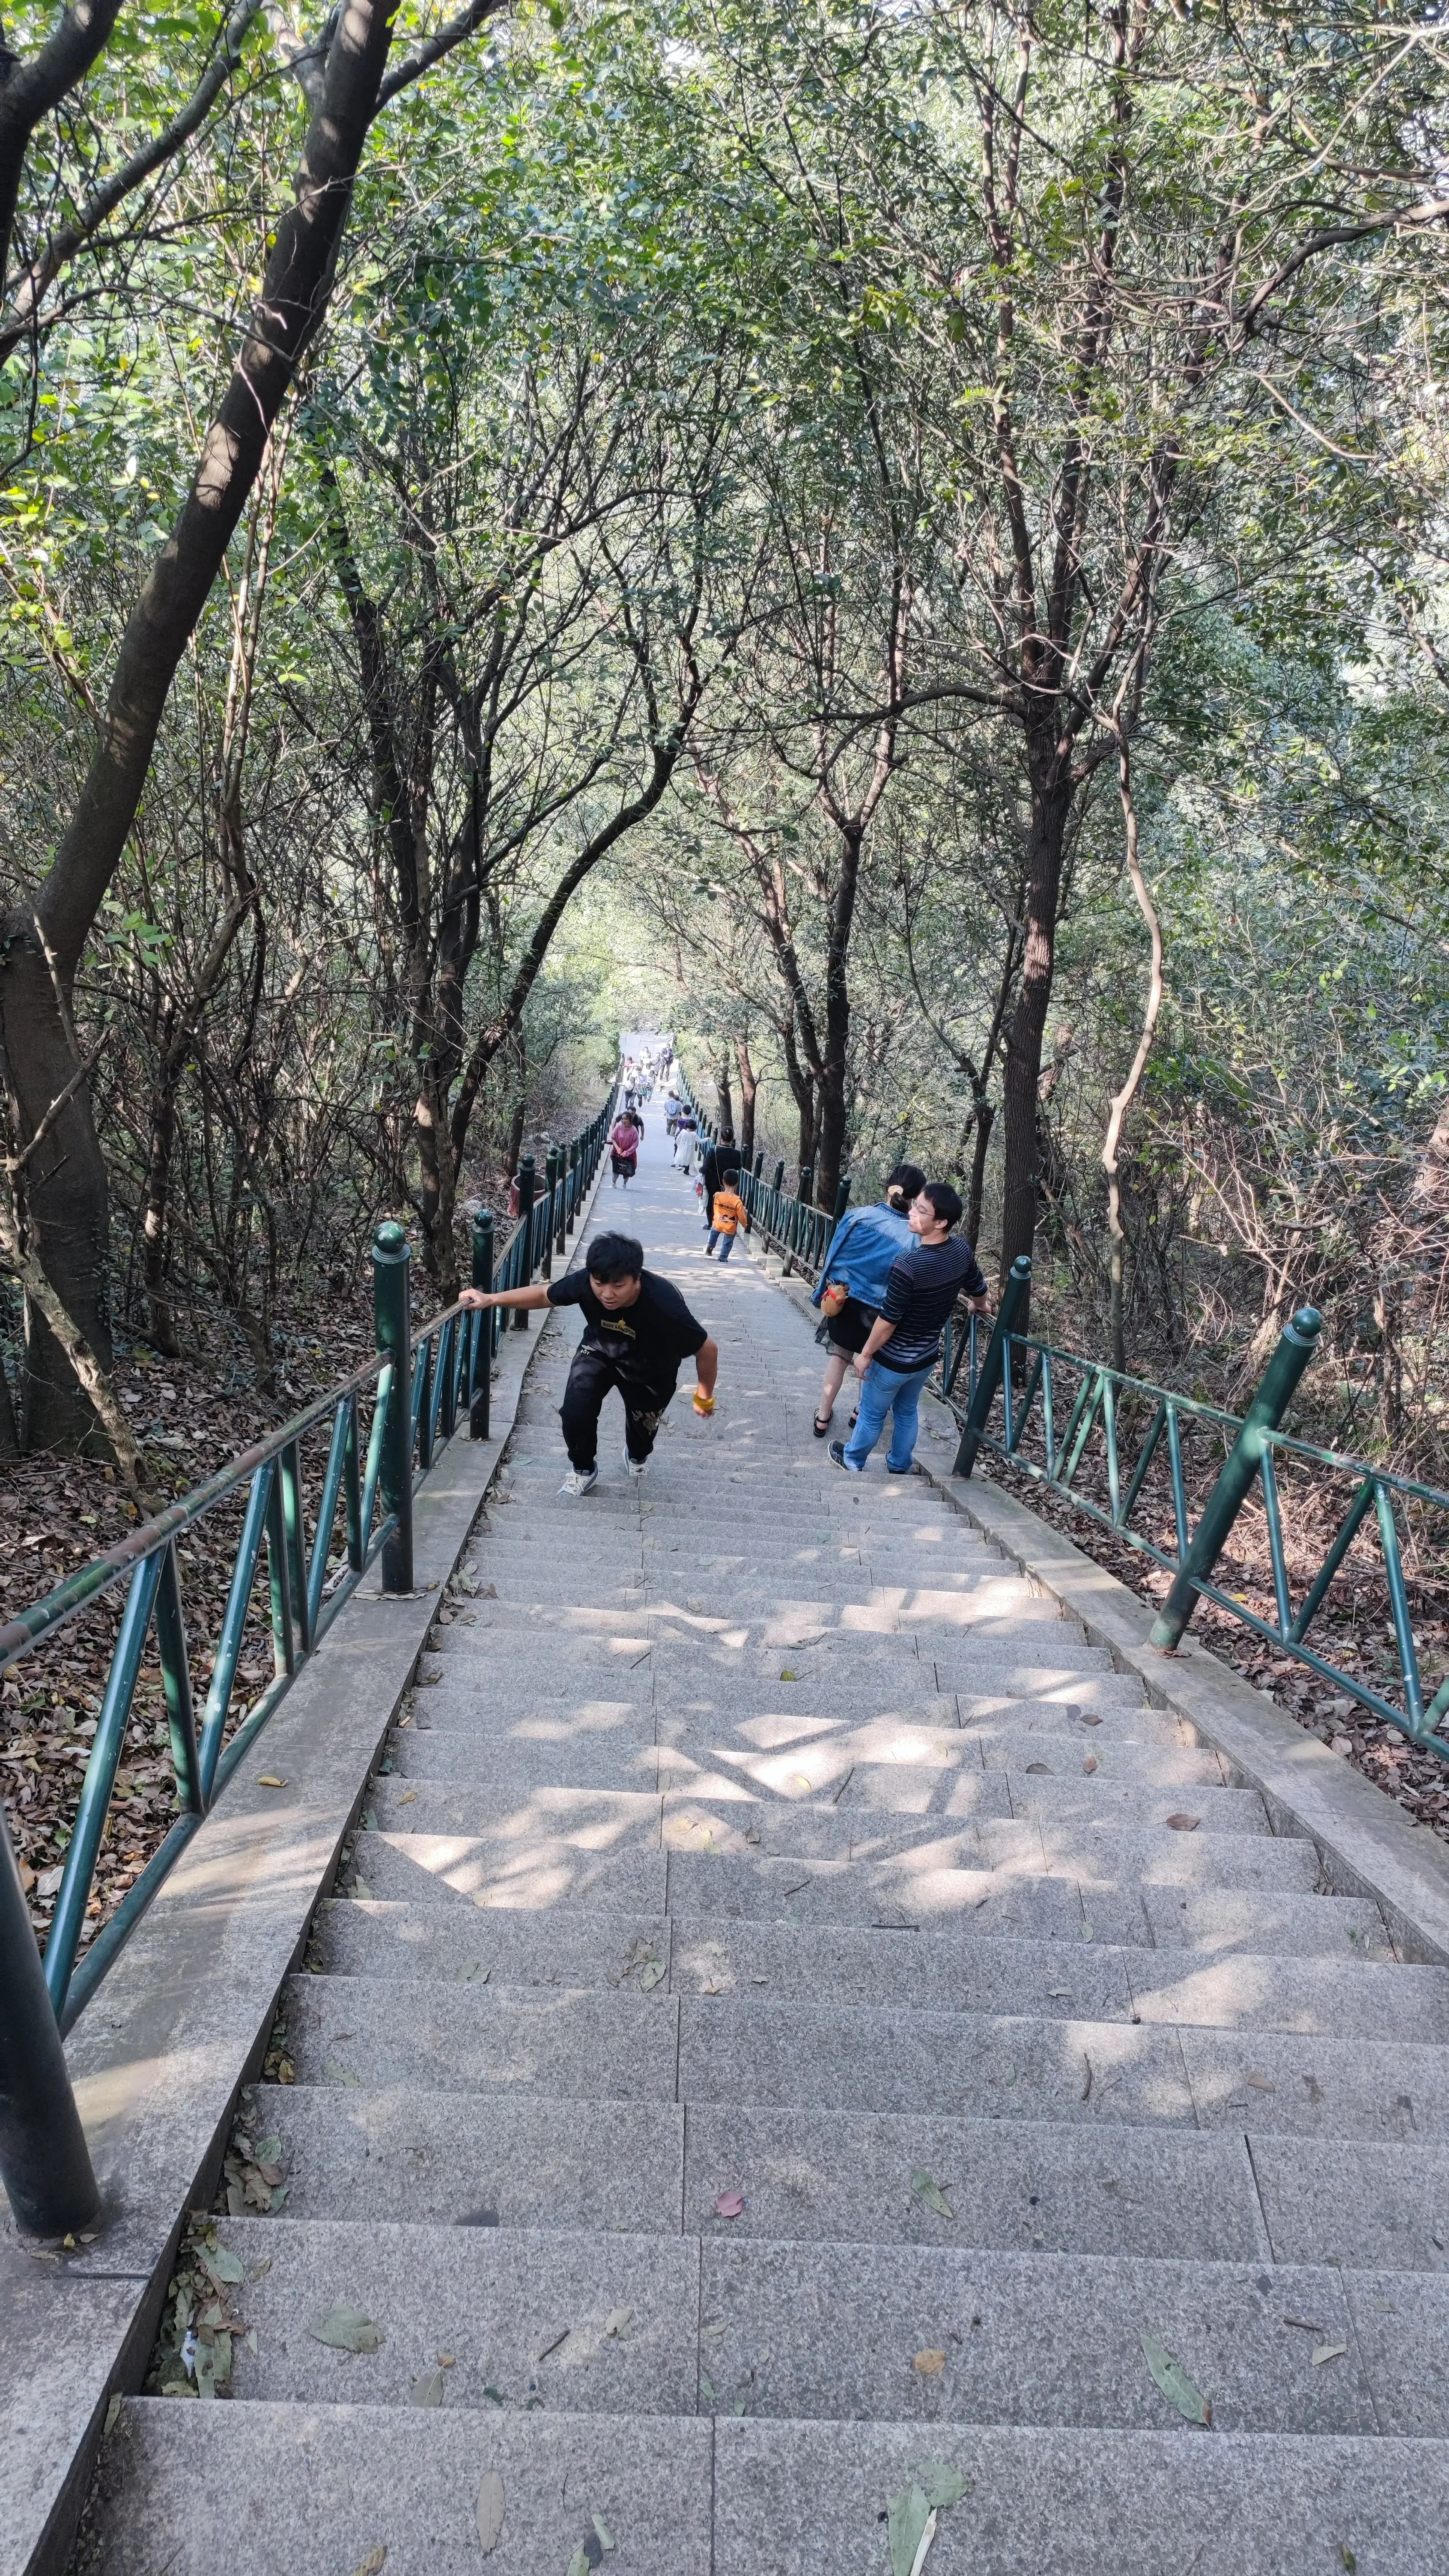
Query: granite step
(590, 2045)
(460, 1870)
(328, 2488)
(402, 2153)
(583, 2323)
(353, 1937)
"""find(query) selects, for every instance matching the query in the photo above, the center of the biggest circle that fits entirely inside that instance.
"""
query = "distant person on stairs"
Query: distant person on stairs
(853, 1278)
(624, 1140)
(637, 1332)
(904, 1342)
(720, 1167)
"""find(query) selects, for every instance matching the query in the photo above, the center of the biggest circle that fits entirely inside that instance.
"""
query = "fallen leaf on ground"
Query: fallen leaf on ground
(407, 1798)
(1328, 2352)
(346, 2328)
(1060, 1994)
(802, 1781)
(618, 2322)
(788, 1676)
(926, 2188)
(427, 2389)
(1089, 1720)
(1174, 2382)
(929, 2362)
(1261, 2083)
(490, 2509)
(1038, 1766)
(1184, 1824)
(605, 2535)
(269, 1780)
(649, 1977)
(1091, 1763)
(730, 2204)
(373, 2563)
(224, 2265)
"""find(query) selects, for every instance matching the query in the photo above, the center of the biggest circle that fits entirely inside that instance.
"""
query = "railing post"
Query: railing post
(391, 1267)
(759, 1162)
(527, 1184)
(1017, 1287)
(796, 1224)
(561, 1203)
(545, 1268)
(44, 2161)
(1297, 1344)
(478, 1410)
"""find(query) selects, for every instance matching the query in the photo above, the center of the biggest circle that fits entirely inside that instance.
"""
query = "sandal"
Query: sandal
(821, 1427)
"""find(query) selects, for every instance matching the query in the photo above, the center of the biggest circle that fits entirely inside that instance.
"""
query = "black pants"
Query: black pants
(590, 1379)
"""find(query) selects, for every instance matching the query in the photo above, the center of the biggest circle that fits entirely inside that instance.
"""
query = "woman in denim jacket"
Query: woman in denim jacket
(862, 1249)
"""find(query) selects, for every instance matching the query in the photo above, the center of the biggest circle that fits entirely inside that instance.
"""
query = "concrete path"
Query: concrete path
(808, 2075)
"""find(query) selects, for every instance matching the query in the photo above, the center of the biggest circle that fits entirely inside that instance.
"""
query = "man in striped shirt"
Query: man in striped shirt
(905, 1339)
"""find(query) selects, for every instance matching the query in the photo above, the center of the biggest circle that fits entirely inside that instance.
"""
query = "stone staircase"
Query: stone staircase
(808, 2075)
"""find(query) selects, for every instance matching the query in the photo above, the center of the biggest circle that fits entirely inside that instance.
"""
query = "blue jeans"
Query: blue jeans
(715, 1237)
(883, 1391)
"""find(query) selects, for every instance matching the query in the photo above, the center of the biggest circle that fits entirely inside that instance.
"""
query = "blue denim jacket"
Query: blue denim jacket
(862, 1250)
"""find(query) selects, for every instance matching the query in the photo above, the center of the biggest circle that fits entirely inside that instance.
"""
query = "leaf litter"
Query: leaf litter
(489, 2510)
(346, 2328)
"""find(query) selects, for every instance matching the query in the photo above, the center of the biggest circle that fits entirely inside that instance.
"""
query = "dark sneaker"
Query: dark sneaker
(838, 1459)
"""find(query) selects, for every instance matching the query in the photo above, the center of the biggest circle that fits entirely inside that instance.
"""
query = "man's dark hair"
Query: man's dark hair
(906, 1182)
(726, 1135)
(945, 1201)
(611, 1257)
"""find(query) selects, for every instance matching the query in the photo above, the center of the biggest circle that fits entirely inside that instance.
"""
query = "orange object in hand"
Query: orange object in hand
(703, 1403)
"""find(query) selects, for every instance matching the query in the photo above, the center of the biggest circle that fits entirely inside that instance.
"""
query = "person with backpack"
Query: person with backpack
(904, 1343)
(624, 1147)
(730, 1213)
(853, 1278)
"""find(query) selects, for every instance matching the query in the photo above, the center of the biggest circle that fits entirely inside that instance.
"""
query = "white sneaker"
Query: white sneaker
(580, 1480)
(636, 1466)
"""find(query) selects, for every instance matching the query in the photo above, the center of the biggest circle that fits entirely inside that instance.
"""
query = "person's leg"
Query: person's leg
(835, 1368)
(876, 1392)
(644, 1410)
(589, 1381)
(713, 1240)
(905, 1420)
(726, 1246)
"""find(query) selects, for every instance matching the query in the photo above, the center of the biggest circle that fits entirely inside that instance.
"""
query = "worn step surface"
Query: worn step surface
(792, 2018)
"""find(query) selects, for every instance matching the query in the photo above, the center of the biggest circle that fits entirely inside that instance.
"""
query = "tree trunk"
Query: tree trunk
(160, 1148)
(67, 1203)
(513, 1150)
(69, 1208)
(722, 1090)
(830, 1131)
(803, 1092)
(749, 1085)
(985, 1121)
(1050, 804)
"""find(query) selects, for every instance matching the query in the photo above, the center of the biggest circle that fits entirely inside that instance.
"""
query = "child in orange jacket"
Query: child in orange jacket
(730, 1213)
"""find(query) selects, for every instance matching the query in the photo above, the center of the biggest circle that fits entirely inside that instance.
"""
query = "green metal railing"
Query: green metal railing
(782, 1221)
(1067, 1421)
(387, 1421)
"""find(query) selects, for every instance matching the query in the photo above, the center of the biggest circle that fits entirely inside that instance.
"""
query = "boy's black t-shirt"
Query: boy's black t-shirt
(645, 1341)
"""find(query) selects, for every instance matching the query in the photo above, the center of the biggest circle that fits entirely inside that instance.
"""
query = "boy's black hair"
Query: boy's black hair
(614, 1256)
(946, 1202)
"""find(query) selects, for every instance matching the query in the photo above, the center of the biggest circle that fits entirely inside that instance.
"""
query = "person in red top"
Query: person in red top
(624, 1147)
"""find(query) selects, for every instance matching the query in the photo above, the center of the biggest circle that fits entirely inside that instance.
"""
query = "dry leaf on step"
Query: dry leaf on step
(1091, 1763)
(1328, 2352)
(1174, 2382)
(926, 2188)
(929, 2363)
(427, 2389)
(490, 2509)
(346, 2328)
(730, 2204)
(1184, 1824)
(374, 2562)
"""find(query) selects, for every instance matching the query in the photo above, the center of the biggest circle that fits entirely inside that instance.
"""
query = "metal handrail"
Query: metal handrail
(1026, 1374)
(420, 1379)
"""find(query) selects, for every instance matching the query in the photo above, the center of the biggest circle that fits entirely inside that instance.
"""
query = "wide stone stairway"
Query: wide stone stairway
(806, 2074)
